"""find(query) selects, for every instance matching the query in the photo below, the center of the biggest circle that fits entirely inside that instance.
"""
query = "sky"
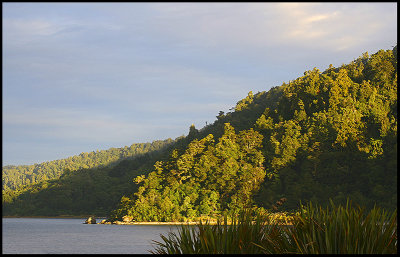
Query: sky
(81, 77)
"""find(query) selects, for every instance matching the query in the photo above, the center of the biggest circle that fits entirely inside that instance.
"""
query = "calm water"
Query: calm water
(70, 236)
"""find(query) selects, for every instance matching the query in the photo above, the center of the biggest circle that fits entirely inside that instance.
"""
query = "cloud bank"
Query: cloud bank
(84, 76)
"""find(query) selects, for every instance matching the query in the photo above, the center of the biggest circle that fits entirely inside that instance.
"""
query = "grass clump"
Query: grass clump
(242, 234)
(344, 230)
(313, 230)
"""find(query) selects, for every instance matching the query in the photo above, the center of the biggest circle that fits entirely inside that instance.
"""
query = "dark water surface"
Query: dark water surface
(70, 236)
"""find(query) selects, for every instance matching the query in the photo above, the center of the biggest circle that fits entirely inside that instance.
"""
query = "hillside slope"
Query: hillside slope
(328, 135)
(22, 175)
(324, 135)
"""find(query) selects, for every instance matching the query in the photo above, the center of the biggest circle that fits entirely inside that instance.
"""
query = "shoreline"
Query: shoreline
(102, 222)
(169, 223)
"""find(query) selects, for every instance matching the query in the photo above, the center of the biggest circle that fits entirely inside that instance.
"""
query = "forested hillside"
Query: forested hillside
(21, 175)
(89, 182)
(327, 135)
(330, 134)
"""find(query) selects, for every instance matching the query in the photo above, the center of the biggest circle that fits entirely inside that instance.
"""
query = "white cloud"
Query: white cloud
(270, 24)
(69, 124)
(336, 26)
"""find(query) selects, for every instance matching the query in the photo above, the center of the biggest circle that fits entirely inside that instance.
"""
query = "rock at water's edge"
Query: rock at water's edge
(90, 220)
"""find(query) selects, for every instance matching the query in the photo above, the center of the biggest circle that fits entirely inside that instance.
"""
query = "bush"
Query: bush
(237, 235)
(339, 229)
(344, 229)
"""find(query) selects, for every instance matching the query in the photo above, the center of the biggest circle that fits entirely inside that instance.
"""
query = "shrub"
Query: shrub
(338, 229)
(344, 230)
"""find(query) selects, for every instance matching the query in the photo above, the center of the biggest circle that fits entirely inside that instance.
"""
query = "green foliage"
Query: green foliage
(242, 235)
(243, 104)
(17, 176)
(205, 179)
(314, 230)
(337, 135)
(83, 191)
(344, 230)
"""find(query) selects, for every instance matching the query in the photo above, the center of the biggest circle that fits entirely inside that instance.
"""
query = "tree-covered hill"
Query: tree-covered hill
(21, 175)
(82, 191)
(330, 134)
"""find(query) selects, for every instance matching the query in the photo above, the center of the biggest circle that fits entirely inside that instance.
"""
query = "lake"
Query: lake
(71, 236)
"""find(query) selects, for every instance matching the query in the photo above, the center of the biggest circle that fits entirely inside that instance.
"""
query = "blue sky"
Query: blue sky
(81, 77)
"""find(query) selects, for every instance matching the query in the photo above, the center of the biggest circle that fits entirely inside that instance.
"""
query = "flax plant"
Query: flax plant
(243, 235)
(344, 230)
(313, 230)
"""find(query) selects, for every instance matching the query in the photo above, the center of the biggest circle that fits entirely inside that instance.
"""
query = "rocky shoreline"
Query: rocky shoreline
(162, 223)
(129, 221)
